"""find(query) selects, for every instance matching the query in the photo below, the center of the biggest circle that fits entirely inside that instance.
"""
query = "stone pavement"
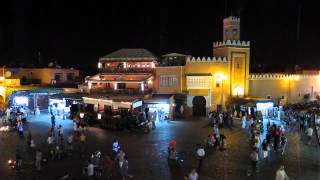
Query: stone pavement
(148, 152)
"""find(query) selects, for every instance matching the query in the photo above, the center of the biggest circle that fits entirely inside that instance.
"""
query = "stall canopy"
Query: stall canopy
(116, 101)
(71, 96)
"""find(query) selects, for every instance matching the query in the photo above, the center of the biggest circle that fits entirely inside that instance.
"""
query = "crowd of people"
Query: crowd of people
(214, 141)
(265, 140)
(61, 146)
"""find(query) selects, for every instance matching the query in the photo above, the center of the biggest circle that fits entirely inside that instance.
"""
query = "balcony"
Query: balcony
(126, 70)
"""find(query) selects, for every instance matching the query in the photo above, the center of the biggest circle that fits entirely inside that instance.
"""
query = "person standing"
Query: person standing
(200, 155)
(38, 159)
(281, 174)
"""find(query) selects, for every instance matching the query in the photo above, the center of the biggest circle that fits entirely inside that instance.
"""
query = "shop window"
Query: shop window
(70, 76)
(57, 77)
(234, 31)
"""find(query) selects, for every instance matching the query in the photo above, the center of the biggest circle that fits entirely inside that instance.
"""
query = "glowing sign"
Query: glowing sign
(136, 104)
(21, 100)
(99, 65)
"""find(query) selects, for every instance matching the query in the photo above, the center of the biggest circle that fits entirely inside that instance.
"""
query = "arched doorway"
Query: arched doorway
(199, 106)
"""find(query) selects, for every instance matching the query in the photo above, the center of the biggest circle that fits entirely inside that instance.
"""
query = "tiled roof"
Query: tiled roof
(129, 55)
(174, 54)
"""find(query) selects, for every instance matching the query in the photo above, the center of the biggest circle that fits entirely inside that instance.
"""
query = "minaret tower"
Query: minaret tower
(231, 28)
(238, 56)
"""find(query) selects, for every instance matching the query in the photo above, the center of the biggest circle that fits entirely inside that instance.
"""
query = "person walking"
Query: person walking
(38, 159)
(53, 121)
(200, 155)
(281, 174)
(60, 132)
(29, 138)
(125, 168)
(18, 159)
(309, 134)
(90, 170)
(120, 158)
(193, 175)
(244, 122)
(254, 157)
(110, 166)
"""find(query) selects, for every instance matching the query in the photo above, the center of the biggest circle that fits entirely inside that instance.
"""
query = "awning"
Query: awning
(161, 99)
(95, 101)
(117, 102)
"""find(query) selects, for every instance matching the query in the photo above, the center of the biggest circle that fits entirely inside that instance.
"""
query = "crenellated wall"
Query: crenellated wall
(235, 43)
(207, 59)
(284, 88)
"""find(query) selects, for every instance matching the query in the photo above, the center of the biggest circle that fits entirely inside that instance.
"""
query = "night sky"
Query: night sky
(77, 33)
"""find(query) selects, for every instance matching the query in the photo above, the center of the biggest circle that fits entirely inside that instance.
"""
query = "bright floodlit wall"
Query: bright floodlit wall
(216, 70)
(169, 80)
(285, 88)
(239, 63)
(45, 75)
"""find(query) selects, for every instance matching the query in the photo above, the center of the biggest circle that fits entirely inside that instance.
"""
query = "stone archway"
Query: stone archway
(199, 106)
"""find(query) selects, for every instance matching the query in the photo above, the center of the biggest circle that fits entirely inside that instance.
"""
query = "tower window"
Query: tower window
(234, 31)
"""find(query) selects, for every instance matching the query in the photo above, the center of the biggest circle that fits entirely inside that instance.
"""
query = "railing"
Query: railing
(126, 70)
(121, 91)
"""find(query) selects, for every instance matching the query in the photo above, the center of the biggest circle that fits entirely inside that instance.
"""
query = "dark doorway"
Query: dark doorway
(199, 106)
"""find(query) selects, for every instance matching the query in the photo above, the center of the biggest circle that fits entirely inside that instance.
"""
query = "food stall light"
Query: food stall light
(1, 78)
(142, 87)
(149, 81)
(99, 116)
(21, 100)
(115, 86)
(99, 65)
(81, 115)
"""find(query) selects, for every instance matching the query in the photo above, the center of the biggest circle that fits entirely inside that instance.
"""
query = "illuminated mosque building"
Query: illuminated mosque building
(204, 83)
